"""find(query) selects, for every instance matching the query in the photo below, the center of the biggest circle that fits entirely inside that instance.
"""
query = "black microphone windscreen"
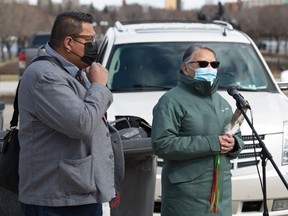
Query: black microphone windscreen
(231, 90)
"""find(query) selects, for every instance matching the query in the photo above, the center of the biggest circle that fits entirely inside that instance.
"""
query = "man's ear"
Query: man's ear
(67, 43)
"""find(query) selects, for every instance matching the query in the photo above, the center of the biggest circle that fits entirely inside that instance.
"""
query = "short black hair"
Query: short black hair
(68, 23)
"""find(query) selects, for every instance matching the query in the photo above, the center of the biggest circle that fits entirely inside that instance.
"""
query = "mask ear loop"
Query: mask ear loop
(185, 71)
(187, 64)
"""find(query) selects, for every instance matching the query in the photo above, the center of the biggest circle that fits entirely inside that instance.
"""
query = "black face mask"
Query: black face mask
(90, 53)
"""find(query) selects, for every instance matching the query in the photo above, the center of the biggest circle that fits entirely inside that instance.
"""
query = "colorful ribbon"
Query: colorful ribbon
(215, 192)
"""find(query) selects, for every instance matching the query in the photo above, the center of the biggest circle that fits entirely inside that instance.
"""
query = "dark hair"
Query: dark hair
(188, 53)
(68, 23)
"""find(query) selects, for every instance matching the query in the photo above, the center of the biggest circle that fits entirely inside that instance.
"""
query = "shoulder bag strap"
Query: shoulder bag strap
(48, 58)
(14, 120)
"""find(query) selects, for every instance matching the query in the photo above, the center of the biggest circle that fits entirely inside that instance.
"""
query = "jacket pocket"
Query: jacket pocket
(77, 176)
(179, 172)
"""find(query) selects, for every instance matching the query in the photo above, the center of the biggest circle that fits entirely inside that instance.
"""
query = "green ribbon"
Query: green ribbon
(215, 192)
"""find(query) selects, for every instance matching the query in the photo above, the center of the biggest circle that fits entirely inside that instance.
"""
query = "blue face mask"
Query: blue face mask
(207, 74)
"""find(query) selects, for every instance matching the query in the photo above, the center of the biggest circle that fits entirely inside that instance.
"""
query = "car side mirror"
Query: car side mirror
(283, 83)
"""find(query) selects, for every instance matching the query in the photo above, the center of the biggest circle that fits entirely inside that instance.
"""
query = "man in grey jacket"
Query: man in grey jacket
(66, 159)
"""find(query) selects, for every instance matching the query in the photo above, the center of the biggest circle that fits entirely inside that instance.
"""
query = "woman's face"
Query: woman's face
(199, 55)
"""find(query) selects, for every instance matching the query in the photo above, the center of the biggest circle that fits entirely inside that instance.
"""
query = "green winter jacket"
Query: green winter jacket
(187, 121)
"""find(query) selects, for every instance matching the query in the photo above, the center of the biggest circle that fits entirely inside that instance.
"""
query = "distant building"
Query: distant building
(262, 3)
(173, 4)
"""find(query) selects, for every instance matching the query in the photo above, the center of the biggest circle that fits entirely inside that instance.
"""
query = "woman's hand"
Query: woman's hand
(227, 143)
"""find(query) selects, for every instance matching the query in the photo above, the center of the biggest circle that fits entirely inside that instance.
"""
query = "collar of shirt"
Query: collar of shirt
(71, 68)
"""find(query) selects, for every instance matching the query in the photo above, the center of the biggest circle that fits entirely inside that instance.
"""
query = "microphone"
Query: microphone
(238, 97)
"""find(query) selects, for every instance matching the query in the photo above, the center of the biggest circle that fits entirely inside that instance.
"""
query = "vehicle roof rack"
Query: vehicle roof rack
(226, 25)
(120, 25)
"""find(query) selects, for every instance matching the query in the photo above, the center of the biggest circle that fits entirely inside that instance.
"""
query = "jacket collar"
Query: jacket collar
(202, 88)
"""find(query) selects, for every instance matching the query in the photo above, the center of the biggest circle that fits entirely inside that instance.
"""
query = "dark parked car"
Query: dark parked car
(25, 55)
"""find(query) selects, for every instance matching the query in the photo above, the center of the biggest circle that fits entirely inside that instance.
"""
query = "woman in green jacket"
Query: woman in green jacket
(189, 133)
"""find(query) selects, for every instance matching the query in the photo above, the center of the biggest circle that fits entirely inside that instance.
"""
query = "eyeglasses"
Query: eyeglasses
(90, 38)
(203, 64)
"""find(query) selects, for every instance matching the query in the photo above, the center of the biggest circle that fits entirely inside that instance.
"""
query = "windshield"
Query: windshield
(155, 66)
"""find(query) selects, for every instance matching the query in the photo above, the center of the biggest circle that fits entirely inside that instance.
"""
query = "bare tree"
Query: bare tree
(21, 20)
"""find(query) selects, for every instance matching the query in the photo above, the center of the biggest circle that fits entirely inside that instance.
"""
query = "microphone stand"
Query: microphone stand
(265, 154)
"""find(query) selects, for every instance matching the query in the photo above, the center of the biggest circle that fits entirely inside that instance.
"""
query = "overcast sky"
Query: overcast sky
(187, 4)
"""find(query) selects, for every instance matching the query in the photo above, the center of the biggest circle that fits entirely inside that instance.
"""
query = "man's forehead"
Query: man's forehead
(88, 28)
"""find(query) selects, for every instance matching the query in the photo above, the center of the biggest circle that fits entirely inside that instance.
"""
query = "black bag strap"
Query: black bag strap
(14, 120)
(49, 58)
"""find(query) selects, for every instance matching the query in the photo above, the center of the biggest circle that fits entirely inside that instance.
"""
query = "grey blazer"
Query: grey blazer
(66, 157)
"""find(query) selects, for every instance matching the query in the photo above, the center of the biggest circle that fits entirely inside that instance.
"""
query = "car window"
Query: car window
(155, 66)
(240, 66)
(144, 66)
(39, 40)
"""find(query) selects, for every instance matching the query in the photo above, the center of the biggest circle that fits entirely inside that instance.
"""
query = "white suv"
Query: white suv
(144, 59)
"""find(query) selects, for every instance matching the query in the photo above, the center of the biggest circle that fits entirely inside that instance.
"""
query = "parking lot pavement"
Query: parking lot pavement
(8, 88)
